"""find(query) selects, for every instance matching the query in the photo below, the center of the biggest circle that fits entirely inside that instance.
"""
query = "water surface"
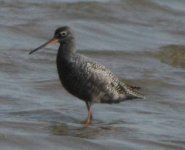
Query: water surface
(142, 42)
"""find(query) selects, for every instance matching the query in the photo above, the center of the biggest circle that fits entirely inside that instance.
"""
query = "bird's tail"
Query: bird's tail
(132, 92)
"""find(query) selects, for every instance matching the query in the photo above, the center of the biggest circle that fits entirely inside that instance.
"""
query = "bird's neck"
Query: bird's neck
(66, 49)
(65, 54)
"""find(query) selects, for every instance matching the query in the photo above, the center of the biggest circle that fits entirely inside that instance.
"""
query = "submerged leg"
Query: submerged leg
(88, 121)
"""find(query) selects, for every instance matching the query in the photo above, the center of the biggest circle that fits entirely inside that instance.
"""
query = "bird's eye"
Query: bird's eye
(63, 33)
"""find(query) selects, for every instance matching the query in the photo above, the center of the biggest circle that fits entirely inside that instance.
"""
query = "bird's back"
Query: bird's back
(91, 81)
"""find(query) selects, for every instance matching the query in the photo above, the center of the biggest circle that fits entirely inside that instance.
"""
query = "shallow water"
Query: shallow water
(144, 41)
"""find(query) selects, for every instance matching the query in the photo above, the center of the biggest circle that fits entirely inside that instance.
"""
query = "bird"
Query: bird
(86, 79)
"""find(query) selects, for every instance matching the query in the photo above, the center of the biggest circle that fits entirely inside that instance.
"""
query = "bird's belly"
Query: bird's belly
(85, 88)
(77, 87)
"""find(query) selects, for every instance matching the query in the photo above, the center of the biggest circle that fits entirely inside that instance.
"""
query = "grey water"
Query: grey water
(141, 41)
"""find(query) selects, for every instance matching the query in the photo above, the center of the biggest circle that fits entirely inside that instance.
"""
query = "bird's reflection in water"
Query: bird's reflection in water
(95, 130)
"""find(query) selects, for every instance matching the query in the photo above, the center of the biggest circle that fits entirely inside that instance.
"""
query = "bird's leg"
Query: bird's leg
(88, 121)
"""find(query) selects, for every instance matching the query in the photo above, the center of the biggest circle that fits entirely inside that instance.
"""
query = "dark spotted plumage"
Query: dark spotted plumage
(86, 79)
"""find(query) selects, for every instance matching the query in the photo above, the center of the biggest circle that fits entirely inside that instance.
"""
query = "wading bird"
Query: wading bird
(86, 79)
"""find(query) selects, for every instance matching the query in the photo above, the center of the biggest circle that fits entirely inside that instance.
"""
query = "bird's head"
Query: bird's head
(62, 35)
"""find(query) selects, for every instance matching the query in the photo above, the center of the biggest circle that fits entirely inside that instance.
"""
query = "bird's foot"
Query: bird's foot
(89, 119)
(87, 122)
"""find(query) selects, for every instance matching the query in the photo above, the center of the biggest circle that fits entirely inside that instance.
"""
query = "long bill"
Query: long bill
(52, 41)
